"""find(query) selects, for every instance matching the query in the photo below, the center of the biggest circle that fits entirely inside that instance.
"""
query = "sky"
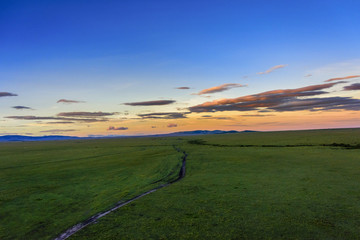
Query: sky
(93, 68)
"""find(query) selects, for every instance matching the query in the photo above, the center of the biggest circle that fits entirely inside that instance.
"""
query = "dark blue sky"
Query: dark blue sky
(191, 30)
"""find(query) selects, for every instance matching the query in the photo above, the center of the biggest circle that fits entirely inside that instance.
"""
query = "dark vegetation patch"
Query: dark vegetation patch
(343, 145)
(340, 145)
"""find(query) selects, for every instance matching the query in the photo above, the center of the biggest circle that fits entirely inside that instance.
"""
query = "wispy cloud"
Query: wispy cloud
(171, 125)
(308, 75)
(69, 101)
(58, 130)
(355, 86)
(165, 115)
(7, 94)
(319, 104)
(257, 115)
(183, 88)
(22, 107)
(12, 133)
(220, 88)
(272, 69)
(61, 122)
(111, 128)
(86, 114)
(151, 103)
(282, 100)
(342, 78)
(32, 118)
(216, 118)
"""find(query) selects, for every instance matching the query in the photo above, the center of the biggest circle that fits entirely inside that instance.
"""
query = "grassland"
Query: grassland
(46, 187)
(280, 185)
(251, 192)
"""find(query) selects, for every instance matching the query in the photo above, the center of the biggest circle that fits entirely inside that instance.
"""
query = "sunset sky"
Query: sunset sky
(136, 67)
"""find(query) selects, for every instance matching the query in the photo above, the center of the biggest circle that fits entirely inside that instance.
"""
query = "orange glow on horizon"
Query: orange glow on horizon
(270, 121)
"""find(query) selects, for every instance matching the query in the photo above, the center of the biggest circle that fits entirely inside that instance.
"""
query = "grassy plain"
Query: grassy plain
(273, 185)
(257, 192)
(46, 187)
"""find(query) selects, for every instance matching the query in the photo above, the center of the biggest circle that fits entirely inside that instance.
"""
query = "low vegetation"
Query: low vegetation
(273, 185)
(47, 187)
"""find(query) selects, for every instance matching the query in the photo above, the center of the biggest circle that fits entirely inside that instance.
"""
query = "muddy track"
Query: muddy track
(74, 229)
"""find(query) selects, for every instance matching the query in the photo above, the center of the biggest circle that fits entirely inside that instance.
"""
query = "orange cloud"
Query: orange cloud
(342, 78)
(272, 69)
(282, 100)
(304, 91)
(170, 125)
(220, 88)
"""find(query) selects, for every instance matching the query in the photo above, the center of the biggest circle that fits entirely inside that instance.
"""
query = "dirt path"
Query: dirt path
(74, 229)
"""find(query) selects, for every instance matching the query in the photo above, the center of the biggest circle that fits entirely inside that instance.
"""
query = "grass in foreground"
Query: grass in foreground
(251, 192)
(229, 192)
(46, 187)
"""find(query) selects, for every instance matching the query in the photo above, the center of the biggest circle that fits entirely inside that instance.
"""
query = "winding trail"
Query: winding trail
(74, 229)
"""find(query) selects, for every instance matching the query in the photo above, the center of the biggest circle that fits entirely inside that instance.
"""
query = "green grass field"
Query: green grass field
(266, 185)
(47, 187)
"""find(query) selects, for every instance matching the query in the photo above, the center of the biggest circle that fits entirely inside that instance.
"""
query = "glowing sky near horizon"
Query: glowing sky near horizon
(145, 67)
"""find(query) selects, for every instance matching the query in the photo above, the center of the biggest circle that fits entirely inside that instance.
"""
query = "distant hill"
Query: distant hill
(196, 132)
(21, 138)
